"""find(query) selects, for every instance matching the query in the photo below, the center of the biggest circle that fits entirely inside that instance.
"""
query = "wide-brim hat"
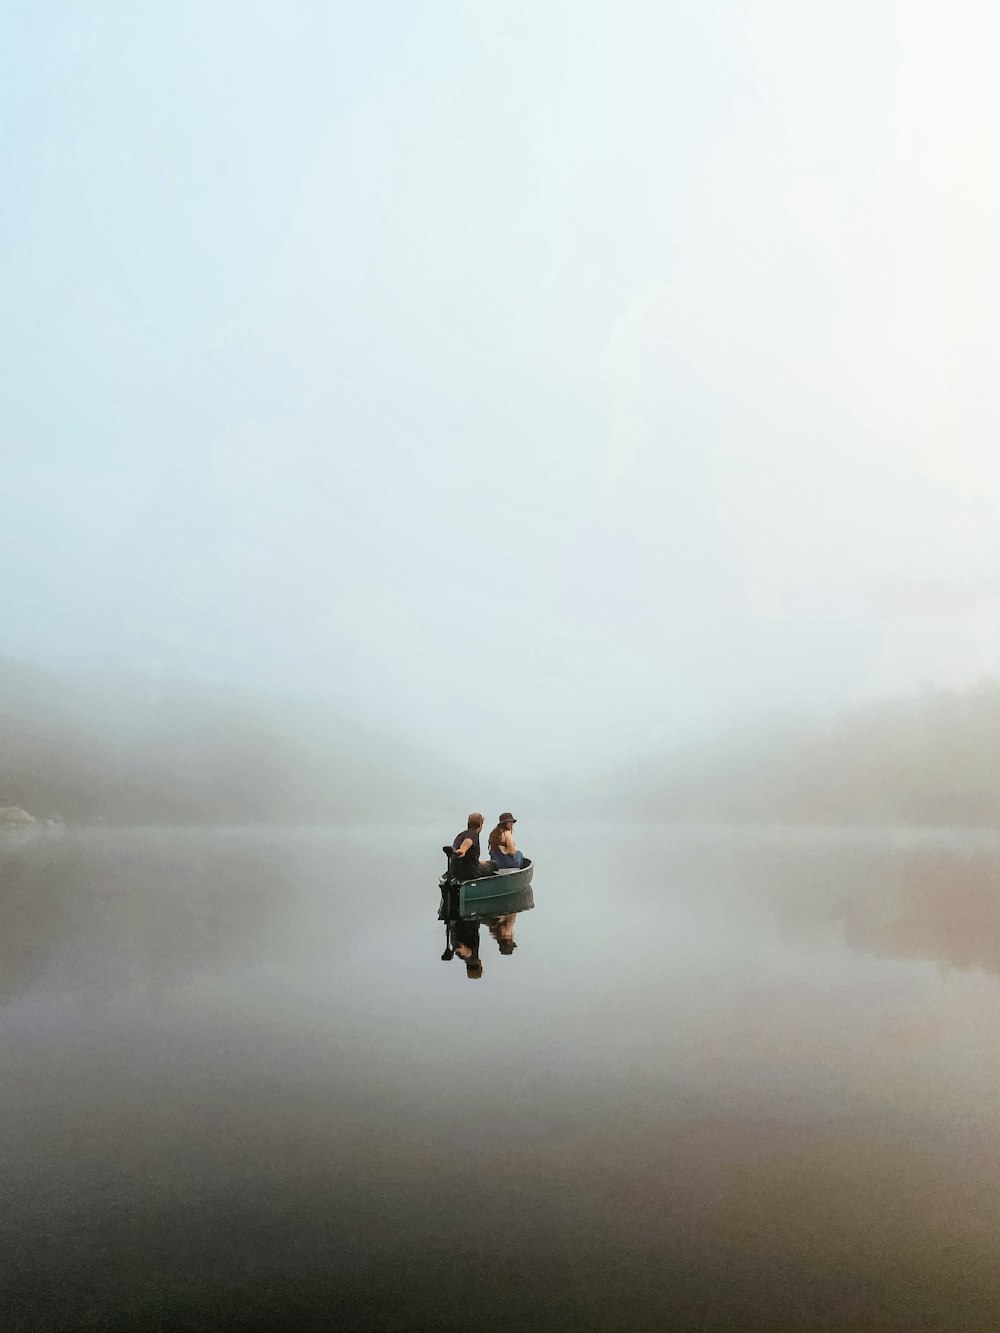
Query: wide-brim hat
(506, 817)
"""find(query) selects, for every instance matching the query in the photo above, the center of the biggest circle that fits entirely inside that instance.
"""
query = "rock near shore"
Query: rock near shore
(12, 816)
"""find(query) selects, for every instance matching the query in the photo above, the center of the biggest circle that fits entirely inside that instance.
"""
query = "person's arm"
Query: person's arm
(507, 842)
(466, 844)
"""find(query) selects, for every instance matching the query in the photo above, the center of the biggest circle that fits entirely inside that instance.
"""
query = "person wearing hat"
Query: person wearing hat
(503, 853)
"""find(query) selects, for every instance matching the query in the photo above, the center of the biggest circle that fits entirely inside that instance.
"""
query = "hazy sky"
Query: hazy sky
(554, 375)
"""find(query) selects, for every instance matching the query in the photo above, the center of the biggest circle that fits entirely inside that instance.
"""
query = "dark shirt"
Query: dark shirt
(473, 853)
(467, 866)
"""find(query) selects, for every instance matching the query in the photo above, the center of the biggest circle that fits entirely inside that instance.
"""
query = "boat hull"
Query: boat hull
(493, 895)
(496, 904)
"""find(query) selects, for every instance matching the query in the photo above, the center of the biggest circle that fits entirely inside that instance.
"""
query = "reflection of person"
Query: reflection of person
(463, 937)
(503, 852)
(502, 930)
(465, 862)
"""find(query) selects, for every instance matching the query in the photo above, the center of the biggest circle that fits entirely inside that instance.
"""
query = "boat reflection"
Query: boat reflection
(463, 922)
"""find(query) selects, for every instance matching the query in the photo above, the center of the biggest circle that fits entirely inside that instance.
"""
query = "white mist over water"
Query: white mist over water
(558, 379)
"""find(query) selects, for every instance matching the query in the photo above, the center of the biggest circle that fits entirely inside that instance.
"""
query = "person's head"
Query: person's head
(475, 823)
(473, 969)
(506, 820)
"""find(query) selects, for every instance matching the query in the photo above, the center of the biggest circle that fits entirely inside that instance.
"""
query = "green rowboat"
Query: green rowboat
(497, 903)
(492, 895)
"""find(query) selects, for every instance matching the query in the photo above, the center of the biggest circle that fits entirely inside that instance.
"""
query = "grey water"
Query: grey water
(728, 1079)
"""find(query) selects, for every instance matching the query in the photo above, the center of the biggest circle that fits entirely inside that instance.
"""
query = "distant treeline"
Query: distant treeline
(132, 751)
(929, 760)
(135, 751)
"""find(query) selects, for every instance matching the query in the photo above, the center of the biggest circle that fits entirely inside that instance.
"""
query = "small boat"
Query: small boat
(492, 895)
(497, 903)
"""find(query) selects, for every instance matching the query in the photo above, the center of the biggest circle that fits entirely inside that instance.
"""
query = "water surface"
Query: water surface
(728, 1079)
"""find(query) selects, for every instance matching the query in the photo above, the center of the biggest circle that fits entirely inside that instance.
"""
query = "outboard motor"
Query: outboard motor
(448, 877)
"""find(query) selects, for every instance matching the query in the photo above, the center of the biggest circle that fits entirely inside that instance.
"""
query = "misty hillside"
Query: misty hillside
(134, 751)
(929, 760)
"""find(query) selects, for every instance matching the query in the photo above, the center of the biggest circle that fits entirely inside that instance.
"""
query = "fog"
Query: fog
(533, 386)
(584, 408)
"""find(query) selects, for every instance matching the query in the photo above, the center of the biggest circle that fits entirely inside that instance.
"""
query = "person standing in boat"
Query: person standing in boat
(503, 853)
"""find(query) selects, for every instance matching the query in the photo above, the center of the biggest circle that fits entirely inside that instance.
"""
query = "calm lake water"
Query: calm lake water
(729, 1079)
